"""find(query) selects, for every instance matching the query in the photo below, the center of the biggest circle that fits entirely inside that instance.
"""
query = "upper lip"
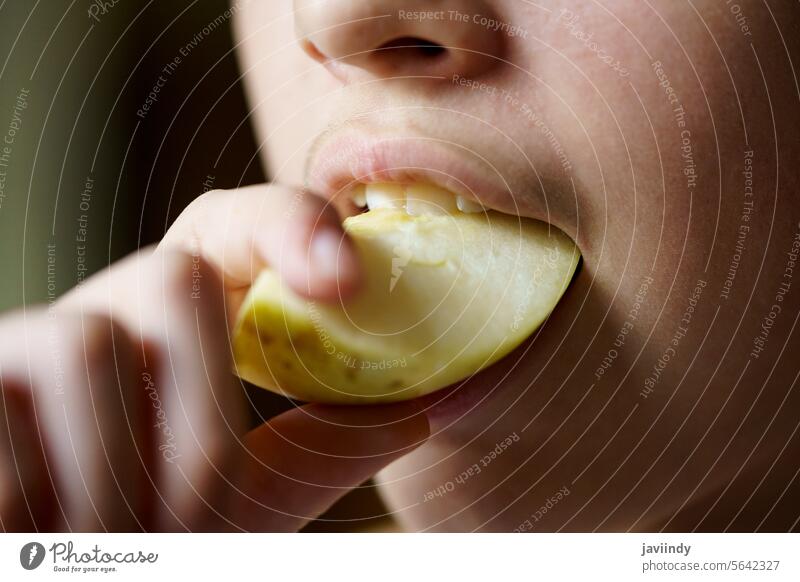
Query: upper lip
(340, 161)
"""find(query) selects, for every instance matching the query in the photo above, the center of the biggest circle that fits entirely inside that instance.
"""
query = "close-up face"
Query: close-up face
(661, 137)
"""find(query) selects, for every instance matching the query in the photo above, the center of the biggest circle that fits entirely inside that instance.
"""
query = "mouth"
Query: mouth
(357, 171)
(416, 199)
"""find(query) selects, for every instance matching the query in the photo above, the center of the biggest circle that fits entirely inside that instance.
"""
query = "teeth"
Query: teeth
(416, 199)
(427, 199)
(385, 196)
(359, 196)
(468, 206)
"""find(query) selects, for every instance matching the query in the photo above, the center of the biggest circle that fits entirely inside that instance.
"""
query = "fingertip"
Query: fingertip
(310, 249)
(329, 268)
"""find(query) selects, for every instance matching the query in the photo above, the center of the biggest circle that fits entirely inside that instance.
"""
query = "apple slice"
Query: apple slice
(444, 296)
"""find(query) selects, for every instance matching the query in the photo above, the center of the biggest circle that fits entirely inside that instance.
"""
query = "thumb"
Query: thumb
(298, 234)
(300, 463)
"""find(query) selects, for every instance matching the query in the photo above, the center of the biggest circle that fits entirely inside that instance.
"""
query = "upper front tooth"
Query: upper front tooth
(385, 196)
(359, 196)
(427, 199)
(468, 206)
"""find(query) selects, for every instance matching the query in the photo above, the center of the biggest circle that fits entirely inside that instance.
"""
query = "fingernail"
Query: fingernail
(327, 255)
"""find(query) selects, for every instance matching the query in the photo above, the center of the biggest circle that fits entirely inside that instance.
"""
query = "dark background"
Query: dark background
(86, 79)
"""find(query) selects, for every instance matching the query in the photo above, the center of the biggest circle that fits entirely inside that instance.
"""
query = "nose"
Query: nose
(383, 38)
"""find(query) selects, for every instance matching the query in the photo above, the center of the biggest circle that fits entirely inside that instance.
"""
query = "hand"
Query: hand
(119, 410)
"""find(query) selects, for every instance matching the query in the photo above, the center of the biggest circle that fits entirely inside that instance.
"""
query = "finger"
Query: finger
(87, 402)
(172, 303)
(80, 406)
(242, 231)
(300, 463)
(198, 409)
(26, 498)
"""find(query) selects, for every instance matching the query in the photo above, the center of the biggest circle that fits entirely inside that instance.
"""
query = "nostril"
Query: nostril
(413, 47)
(368, 39)
(311, 50)
(407, 49)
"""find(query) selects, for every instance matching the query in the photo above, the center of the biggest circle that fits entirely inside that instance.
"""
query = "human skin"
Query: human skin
(118, 408)
(588, 141)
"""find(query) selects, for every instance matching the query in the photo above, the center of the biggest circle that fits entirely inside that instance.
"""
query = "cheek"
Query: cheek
(576, 72)
(287, 91)
(637, 135)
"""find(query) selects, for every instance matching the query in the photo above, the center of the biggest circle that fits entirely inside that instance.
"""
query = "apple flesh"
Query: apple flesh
(444, 296)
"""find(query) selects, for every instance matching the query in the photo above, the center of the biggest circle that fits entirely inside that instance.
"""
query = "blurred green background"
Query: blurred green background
(82, 164)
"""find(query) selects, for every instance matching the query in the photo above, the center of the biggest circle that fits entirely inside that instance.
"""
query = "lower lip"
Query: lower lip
(446, 407)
